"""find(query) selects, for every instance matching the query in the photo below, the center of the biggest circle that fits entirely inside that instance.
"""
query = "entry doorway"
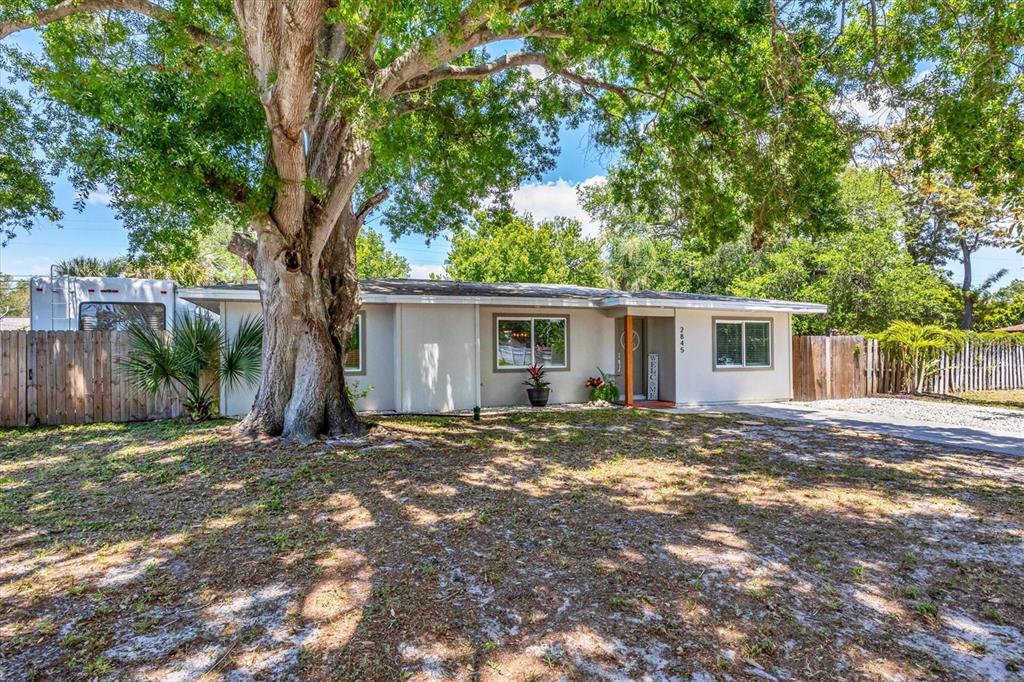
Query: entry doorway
(640, 377)
(651, 350)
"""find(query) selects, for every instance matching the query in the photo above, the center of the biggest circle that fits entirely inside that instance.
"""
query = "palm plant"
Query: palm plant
(87, 266)
(192, 358)
(917, 349)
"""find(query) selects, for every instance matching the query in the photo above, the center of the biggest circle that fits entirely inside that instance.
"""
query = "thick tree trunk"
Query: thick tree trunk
(968, 295)
(307, 312)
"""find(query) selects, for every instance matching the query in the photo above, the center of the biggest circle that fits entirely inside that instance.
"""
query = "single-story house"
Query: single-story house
(438, 346)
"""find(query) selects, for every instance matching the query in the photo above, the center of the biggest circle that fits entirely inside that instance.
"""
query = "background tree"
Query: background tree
(501, 246)
(375, 261)
(14, 297)
(946, 219)
(296, 119)
(1004, 308)
(864, 275)
(649, 247)
(87, 266)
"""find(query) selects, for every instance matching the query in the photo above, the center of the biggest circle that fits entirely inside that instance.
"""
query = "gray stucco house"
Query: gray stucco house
(438, 346)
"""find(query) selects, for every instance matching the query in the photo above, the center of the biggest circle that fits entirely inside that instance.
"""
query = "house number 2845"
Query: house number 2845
(682, 339)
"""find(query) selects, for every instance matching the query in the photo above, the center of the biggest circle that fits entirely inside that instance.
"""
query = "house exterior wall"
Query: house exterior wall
(590, 333)
(431, 357)
(378, 342)
(697, 380)
(435, 346)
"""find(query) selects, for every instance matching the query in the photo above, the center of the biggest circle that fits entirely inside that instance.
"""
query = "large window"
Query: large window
(523, 341)
(111, 317)
(743, 343)
(353, 363)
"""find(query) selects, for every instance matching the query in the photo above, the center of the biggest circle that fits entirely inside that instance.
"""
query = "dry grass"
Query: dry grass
(1008, 398)
(540, 546)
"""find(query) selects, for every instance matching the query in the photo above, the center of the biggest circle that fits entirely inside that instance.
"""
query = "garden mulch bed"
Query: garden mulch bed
(599, 544)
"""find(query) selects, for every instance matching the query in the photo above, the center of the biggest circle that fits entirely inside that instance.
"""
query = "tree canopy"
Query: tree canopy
(865, 275)
(170, 110)
(375, 261)
(501, 246)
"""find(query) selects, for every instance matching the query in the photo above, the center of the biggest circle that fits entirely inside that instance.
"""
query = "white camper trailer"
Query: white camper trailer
(62, 303)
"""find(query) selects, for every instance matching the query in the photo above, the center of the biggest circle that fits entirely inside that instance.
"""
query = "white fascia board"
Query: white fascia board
(742, 306)
(519, 301)
(212, 294)
(205, 294)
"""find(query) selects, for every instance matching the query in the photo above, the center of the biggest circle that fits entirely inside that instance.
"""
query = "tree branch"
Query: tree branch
(243, 247)
(509, 61)
(443, 47)
(146, 8)
(479, 72)
(371, 203)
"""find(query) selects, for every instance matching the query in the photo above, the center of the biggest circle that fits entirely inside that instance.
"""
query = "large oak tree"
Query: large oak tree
(297, 118)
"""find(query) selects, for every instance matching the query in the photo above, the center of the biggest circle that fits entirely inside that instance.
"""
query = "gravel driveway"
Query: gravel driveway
(950, 413)
(971, 427)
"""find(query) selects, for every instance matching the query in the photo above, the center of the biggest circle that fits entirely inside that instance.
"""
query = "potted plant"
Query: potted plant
(538, 388)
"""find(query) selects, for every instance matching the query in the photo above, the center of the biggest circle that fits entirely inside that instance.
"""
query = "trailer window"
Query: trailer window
(112, 317)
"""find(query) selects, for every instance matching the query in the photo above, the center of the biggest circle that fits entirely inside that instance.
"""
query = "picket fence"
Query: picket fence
(72, 377)
(832, 367)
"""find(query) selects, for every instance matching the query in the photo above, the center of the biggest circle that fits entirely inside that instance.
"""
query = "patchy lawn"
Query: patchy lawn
(1008, 398)
(579, 545)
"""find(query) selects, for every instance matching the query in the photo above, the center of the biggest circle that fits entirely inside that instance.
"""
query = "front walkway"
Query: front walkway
(928, 430)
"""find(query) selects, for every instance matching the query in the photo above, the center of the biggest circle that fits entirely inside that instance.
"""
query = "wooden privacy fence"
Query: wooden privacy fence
(830, 367)
(72, 378)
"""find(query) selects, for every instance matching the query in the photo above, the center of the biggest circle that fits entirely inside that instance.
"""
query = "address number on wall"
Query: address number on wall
(682, 339)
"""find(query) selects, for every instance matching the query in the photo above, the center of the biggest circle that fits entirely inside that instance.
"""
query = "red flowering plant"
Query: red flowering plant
(603, 387)
(537, 379)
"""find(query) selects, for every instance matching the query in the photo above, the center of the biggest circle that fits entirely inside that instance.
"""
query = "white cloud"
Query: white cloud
(424, 270)
(551, 199)
(101, 196)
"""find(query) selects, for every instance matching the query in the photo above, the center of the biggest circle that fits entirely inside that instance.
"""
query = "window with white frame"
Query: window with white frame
(524, 341)
(743, 343)
(353, 362)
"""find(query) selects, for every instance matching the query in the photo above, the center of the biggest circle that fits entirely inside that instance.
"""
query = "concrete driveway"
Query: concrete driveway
(933, 426)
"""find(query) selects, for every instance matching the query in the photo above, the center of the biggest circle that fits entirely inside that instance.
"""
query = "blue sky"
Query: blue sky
(96, 231)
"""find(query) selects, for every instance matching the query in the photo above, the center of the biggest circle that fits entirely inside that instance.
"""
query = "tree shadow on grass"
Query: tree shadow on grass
(575, 545)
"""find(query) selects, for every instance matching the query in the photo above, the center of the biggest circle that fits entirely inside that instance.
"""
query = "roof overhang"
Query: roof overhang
(749, 306)
(202, 295)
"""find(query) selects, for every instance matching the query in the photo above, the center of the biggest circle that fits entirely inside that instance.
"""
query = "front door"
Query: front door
(639, 358)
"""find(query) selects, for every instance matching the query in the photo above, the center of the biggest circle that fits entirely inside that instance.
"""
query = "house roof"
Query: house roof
(518, 294)
(1017, 329)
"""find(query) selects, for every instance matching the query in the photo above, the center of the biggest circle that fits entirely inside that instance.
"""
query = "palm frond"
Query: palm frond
(195, 341)
(150, 364)
(241, 354)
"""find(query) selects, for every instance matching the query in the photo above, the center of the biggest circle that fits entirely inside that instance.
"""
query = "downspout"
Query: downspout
(478, 379)
(397, 360)
(222, 385)
(789, 351)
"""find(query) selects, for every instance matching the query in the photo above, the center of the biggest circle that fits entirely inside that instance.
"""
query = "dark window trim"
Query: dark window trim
(715, 367)
(522, 370)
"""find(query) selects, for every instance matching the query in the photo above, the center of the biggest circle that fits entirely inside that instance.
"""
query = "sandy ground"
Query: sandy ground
(604, 544)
